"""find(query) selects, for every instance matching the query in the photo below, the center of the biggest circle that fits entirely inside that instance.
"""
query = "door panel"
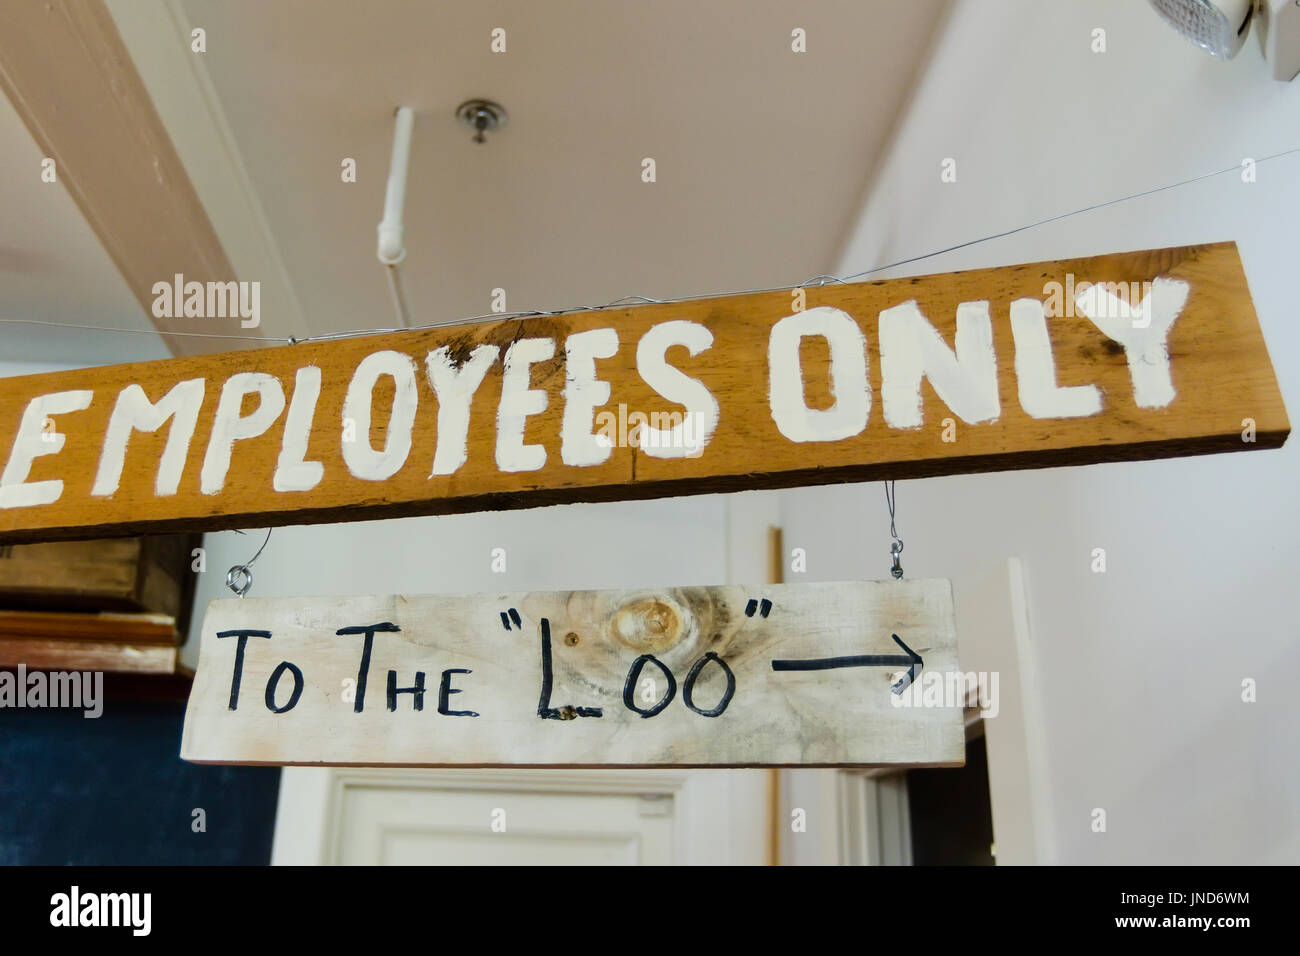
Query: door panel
(439, 826)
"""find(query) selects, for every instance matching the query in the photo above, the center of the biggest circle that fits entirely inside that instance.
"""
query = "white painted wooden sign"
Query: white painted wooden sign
(768, 675)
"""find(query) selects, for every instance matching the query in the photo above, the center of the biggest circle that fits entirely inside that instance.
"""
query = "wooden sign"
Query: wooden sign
(806, 674)
(1131, 356)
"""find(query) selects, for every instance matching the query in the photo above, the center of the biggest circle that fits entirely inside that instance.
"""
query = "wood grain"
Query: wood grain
(1219, 366)
(118, 643)
(64, 626)
(843, 716)
(97, 655)
(141, 575)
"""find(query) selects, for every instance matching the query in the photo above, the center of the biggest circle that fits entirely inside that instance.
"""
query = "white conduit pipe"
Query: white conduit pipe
(392, 247)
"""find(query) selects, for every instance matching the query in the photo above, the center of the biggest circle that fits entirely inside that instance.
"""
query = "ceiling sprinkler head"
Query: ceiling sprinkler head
(482, 116)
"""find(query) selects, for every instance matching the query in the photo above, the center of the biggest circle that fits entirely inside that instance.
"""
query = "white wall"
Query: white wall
(11, 368)
(625, 544)
(1140, 668)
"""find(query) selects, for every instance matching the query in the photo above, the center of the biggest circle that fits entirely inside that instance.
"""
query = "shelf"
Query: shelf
(142, 644)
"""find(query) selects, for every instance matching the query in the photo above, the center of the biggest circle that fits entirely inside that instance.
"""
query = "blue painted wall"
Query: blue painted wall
(113, 791)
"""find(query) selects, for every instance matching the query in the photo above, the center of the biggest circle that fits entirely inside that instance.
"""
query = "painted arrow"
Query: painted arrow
(911, 660)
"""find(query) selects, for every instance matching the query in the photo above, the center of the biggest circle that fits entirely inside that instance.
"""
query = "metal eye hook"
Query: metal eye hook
(896, 547)
(239, 578)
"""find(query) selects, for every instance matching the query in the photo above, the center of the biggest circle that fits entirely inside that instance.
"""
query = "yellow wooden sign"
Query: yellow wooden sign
(1130, 356)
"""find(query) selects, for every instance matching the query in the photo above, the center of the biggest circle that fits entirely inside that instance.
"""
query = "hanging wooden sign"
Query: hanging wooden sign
(1130, 356)
(806, 674)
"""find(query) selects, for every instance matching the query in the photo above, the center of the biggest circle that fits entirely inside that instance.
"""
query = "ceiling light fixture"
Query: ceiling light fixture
(1220, 26)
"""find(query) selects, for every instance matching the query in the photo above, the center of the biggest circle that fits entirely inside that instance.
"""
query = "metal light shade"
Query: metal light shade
(1219, 26)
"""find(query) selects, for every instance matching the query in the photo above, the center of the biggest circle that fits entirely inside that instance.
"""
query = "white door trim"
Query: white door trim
(1019, 775)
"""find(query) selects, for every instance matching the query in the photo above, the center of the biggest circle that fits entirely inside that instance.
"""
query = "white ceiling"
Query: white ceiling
(53, 269)
(763, 155)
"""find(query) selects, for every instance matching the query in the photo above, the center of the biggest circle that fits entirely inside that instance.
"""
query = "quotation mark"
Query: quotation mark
(763, 609)
(513, 616)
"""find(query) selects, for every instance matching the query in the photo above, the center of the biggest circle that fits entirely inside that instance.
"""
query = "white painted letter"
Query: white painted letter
(229, 427)
(583, 393)
(685, 440)
(293, 472)
(134, 412)
(33, 441)
(455, 387)
(1143, 331)
(912, 348)
(848, 376)
(1040, 396)
(362, 460)
(518, 401)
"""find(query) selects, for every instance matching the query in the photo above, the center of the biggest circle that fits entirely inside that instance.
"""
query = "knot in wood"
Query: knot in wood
(650, 624)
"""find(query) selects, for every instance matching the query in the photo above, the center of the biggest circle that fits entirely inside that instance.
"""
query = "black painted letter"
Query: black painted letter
(369, 631)
(544, 708)
(238, 674)
(629, 687)
(445, 690)
(273, 682)
(417, 691)
(689, 686)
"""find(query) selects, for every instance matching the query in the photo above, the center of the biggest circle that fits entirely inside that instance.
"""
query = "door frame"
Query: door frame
(839, 805)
